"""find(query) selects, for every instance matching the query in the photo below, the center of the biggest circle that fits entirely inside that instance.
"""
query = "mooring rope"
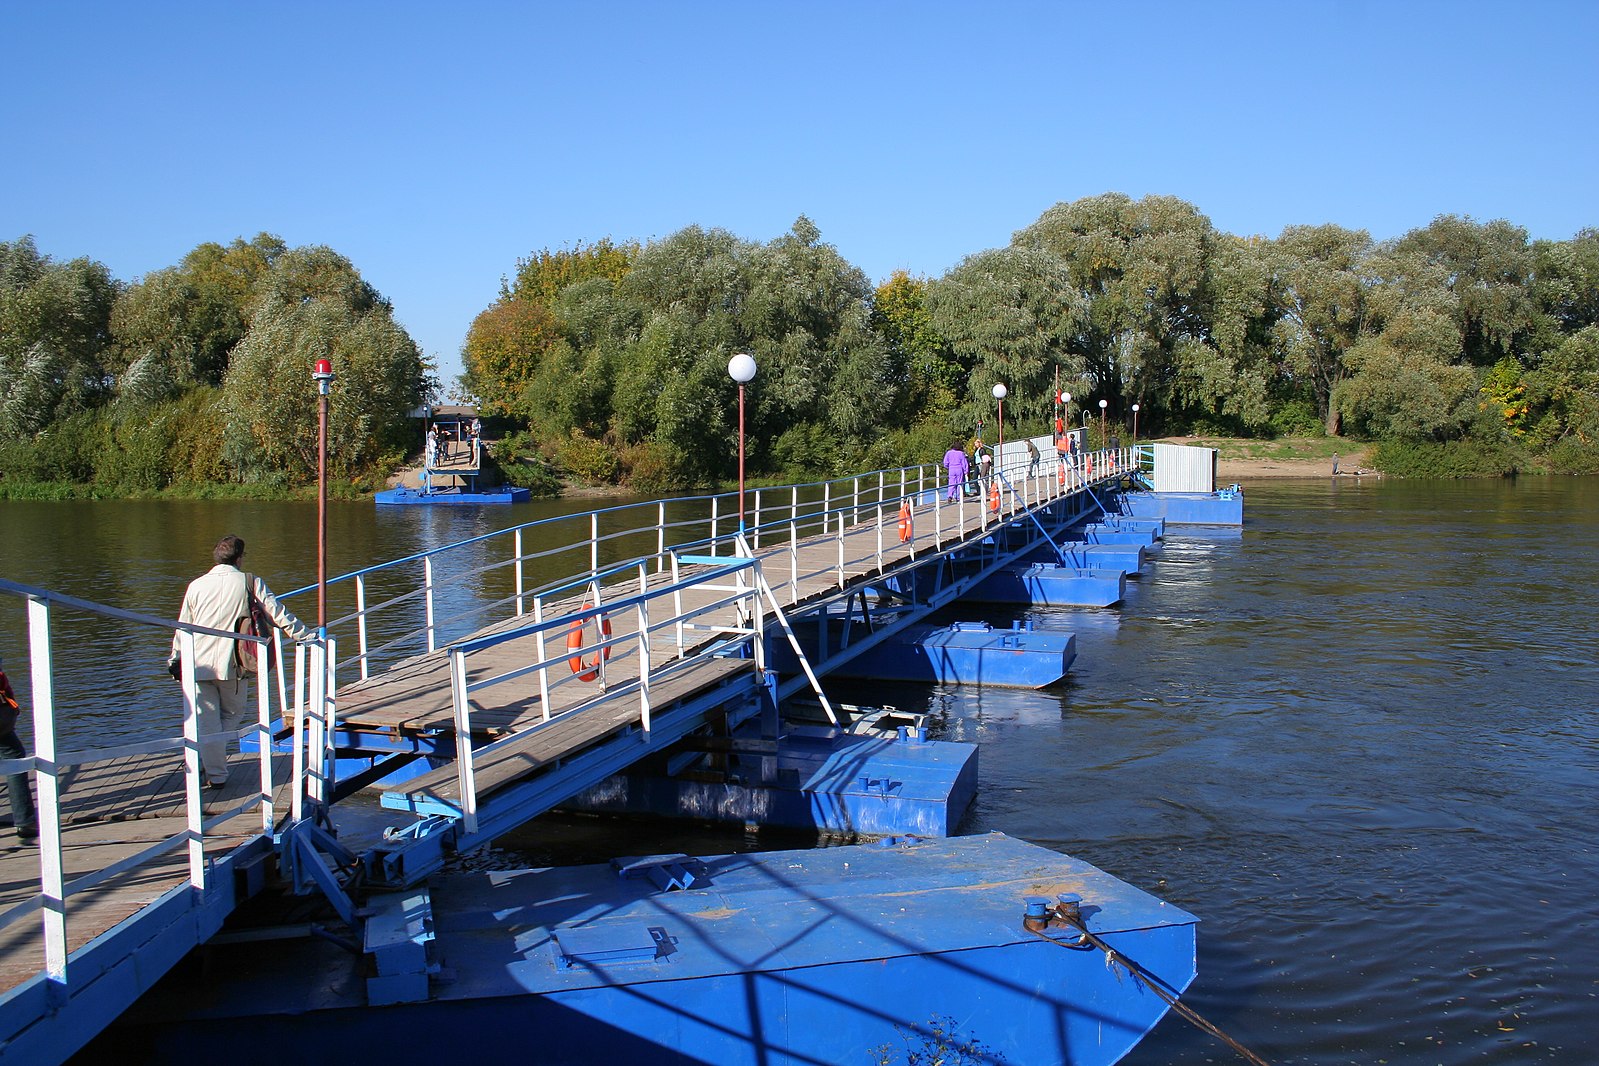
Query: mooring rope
(1154, 984)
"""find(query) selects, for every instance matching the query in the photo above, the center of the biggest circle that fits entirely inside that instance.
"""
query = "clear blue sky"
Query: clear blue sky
(434, 144)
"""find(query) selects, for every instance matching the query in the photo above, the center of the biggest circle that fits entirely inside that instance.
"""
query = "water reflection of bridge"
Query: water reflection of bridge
(529, 664)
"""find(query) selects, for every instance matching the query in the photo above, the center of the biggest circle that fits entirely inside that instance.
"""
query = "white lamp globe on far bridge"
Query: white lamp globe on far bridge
(741, 368)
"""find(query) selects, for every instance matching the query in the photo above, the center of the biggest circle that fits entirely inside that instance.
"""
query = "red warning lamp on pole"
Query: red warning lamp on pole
(323, 375)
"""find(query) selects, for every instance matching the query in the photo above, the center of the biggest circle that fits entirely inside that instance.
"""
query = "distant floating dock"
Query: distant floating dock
(451, 496)
(450, 479)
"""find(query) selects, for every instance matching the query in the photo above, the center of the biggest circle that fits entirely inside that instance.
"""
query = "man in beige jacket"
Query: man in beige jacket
(217, 599)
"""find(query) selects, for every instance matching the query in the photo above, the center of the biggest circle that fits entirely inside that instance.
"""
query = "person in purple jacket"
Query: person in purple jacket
(955, 462)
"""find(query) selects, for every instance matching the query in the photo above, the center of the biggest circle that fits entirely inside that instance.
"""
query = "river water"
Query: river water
(1359, 740)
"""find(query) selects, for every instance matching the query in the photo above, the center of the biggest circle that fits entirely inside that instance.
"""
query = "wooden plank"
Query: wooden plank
(86, 848)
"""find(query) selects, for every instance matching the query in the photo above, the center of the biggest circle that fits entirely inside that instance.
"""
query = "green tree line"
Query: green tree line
(1461, 347)
(198, 376)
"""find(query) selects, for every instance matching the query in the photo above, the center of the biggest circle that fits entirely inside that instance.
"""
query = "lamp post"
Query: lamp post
(1065, 399)
(1135, 421)
(323, 375)
(1104, 437)
(741, 368)
(1000, 392)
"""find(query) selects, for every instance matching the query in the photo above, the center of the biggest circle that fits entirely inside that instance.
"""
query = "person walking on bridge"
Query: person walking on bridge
(218, 599)
(955, 462)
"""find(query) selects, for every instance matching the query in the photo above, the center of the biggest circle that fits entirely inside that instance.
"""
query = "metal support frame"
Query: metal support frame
(301, 851)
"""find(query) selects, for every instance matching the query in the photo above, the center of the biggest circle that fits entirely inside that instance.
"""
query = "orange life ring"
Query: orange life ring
(905, 526)
(587, 671)
(993, 500)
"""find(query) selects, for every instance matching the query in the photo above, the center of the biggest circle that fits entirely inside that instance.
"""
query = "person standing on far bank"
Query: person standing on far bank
(217, 599)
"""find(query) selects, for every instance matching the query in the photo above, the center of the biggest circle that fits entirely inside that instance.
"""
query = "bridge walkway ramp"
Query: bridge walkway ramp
(517, 668)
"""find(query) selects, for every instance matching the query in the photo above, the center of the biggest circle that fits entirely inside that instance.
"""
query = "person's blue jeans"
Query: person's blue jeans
(23, 815)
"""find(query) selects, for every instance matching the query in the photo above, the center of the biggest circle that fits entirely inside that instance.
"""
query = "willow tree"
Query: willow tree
(1146, 275)
(1010, 317)
(313, 305)
(1321, 282)
(54, 333)
(176, 328)
(693, 299)
(1405, 375)
(1487, 268)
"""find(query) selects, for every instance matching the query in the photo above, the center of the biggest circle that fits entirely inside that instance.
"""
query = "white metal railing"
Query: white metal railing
(631, 629)
(53, 767)
(407, 605)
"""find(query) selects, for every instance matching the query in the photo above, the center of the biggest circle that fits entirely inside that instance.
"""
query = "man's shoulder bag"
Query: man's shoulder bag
(253, 623)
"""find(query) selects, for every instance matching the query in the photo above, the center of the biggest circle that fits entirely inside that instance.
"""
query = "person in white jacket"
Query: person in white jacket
(217, 599)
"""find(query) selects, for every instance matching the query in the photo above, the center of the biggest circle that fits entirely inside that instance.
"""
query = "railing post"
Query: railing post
(755, 531)
(465, 774)
(879, 530)
(644, 665)
(316, 709)
(192, 803)
(330, 721)
(793, 544)
(599, 631)
(521, 587)
(263, 738)
(713, 522)
(360, 621)
(298, 708)
(660, 537)
(758, 614)
(544, 657)
(855, 501)
(841, 547)
(427, 584)
(52, 874)
(677, 604)
(594, 542)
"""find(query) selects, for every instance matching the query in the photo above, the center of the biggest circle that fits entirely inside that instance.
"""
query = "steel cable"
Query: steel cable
(1154, 984)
